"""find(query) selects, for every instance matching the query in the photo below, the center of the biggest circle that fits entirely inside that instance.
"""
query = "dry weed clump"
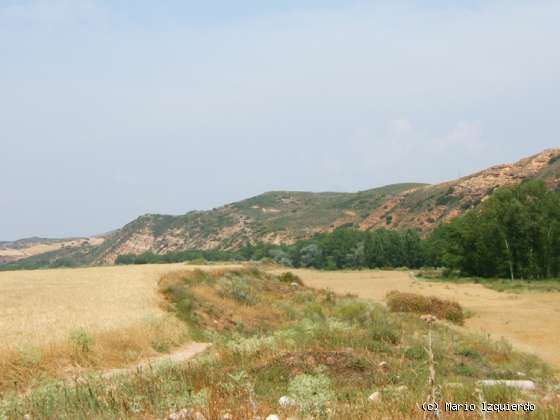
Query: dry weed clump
(291, 278)
(411, 302)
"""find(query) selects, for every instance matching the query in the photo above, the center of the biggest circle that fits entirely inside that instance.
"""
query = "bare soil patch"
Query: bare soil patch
(346, 363)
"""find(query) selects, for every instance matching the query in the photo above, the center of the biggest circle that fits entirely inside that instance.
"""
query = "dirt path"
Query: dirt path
(180, 355)
(530, 321)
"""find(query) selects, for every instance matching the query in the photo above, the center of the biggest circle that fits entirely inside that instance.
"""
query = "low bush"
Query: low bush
(197, 261)
(354, 312)
(238, 288)
(411, 302)
(290, 278)
(313, 393)
(81, 340)
(314, 312)
(383, 331)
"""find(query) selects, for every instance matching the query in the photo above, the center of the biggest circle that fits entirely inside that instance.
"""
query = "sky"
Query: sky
(110, 109)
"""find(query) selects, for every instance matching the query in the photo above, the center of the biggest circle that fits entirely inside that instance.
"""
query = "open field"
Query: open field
(60, 322)
(281, 347)
(46, 305)
(531, 322)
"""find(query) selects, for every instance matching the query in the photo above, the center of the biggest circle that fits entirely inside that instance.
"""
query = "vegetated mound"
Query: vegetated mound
(274, 337)
(72, 253)
(432, 305)
(245, 300)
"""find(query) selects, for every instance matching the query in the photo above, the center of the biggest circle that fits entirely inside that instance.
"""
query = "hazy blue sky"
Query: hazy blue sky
(112, 109)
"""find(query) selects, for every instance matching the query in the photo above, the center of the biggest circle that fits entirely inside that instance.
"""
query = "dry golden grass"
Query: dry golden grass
(412, 302)
(41, 306)
(22, 366)
(118, 309)
(529, 321)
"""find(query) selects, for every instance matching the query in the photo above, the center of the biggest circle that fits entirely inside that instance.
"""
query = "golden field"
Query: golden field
(46, 305)
(42, 306)
(116, 309)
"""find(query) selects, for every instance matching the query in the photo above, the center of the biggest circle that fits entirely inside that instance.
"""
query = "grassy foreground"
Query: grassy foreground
(274, 337)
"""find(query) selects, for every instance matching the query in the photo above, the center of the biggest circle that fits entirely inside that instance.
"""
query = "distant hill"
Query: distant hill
(11, 251)
(284, 217)
(273, 217)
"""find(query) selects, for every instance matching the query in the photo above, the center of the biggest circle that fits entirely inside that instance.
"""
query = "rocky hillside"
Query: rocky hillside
(273, 217)
(11, 251)
(284, 217)
(426, 207)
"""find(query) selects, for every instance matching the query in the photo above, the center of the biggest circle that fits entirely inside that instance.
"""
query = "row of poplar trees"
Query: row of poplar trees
(515, 234)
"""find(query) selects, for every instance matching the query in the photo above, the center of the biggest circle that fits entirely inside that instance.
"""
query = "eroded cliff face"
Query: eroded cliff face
(424, 208)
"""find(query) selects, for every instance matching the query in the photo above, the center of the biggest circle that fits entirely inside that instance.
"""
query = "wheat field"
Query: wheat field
(60, 322)
(41, 306)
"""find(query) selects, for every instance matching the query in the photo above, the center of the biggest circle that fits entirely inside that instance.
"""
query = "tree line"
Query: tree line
(513, 234)
(346, 248)
(180, 256)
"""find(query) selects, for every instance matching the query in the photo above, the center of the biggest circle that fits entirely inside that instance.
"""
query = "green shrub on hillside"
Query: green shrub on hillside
(239, 289)
(313, 394)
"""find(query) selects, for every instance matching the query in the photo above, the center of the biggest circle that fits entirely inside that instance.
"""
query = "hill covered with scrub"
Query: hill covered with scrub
(284, 217)
(514, 234)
